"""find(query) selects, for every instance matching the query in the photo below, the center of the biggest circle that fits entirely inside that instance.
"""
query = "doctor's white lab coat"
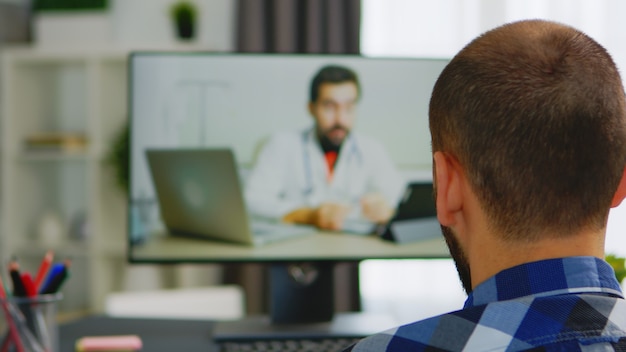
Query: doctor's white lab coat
(291, 172)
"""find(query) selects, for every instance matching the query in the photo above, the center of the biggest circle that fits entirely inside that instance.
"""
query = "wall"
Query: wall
(146, 22)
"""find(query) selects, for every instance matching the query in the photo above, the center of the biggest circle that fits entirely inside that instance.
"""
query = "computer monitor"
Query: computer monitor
(210, 101)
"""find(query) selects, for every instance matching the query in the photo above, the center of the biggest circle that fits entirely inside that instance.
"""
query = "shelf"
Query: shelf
(64, 248)
(70, 55)
(107, 55)
(60, 111)
(72, 248)
(52, 155)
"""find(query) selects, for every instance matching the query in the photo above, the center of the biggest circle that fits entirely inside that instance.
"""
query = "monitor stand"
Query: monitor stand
(302, 305)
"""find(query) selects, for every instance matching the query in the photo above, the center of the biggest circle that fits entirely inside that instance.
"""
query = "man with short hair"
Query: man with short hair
(327, 175)
(528, 127)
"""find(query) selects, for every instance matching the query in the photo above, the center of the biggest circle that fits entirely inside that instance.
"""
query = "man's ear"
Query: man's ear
(620, 194)
(449, 198)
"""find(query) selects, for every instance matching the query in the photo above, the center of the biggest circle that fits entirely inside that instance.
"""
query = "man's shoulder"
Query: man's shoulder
(513, 325)
(367, 143)
(364, 138)
(414, 336)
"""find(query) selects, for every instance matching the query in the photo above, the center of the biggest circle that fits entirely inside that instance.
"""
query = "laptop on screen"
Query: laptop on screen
(200, 195)
(415, 218)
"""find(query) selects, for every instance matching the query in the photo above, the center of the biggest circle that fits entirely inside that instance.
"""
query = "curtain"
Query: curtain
(299, 26)
(15, 21)
(296, 26)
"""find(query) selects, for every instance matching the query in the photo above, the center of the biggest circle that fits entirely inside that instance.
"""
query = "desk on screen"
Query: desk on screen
(319, 246)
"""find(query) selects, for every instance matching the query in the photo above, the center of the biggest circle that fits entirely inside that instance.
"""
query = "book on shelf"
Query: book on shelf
(53, 141)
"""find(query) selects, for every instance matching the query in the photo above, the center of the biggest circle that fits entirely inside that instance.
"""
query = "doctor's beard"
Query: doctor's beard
(330, 142)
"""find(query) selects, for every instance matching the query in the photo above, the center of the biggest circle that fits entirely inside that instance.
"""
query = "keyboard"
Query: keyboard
(325, 344)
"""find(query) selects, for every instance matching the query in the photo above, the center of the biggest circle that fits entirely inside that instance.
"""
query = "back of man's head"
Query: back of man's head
(535, 113)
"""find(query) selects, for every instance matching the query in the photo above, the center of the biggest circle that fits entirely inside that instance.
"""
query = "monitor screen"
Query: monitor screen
(202, 123)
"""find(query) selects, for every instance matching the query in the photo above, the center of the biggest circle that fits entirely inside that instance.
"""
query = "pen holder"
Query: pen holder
(30, 323)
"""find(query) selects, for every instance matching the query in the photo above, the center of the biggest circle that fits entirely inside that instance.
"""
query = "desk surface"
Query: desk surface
(318, 246)
(197, 335)
(157, 334)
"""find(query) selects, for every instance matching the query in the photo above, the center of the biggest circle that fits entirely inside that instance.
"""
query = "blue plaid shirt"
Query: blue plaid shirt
(569, 304)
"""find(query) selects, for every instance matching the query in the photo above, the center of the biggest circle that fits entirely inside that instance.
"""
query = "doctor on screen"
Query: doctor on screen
(327, 175)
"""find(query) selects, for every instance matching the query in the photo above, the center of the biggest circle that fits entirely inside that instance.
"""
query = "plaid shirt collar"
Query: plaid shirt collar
(547, 278)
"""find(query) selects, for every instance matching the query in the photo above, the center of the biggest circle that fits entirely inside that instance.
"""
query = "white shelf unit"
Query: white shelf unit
(64, 199)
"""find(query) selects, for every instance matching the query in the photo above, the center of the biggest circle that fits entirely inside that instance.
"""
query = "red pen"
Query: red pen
(29, 285)
(3, 292)
(46, 262)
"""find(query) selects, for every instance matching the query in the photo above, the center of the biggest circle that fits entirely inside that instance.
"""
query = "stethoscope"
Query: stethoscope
(306, 157)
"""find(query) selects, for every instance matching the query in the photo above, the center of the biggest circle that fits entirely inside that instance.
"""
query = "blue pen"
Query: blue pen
(55, 278)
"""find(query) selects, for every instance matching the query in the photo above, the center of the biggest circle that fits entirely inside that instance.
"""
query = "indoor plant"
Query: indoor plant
(184, 14)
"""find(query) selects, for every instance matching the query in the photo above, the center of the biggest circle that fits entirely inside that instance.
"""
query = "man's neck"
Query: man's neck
(488, 251)
(494, 255)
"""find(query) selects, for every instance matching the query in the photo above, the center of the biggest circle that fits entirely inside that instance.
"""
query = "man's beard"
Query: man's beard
(460, 260)
(329, 144)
